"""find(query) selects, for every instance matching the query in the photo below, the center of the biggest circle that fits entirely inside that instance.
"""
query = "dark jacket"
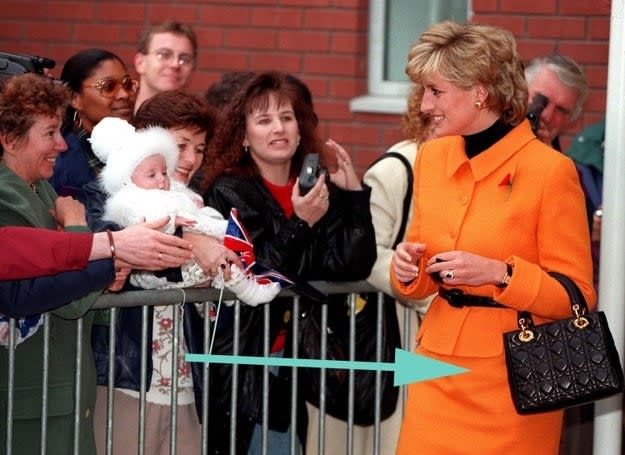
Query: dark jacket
(31, 296)
(72, 169)
(340, 247)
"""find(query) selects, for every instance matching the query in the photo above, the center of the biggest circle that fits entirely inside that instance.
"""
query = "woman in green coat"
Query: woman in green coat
(31, 108)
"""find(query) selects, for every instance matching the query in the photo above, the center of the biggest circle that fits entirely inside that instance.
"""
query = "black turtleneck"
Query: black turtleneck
(474, 144)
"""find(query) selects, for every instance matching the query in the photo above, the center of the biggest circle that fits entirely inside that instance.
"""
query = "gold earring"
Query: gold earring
(77, 120)
(478, 104)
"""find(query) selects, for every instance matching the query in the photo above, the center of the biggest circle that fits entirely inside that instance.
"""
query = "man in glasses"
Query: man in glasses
(563, 87)
(165, 59)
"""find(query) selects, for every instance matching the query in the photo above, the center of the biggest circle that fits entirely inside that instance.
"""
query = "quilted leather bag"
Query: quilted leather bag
(563, 363)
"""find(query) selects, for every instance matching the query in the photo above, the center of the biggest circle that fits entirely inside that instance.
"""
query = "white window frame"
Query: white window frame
(384, 96)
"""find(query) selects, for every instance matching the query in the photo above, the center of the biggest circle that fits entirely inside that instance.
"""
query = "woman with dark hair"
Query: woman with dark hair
(191, 123)
(101, 87)
(326, 234)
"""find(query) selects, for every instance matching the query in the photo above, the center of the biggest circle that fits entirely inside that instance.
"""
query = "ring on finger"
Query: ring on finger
(160, 256)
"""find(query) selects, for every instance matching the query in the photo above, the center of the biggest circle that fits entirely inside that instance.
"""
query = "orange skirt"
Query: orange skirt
(472, 413)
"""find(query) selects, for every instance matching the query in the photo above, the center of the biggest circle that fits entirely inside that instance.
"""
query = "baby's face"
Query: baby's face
(151, 173)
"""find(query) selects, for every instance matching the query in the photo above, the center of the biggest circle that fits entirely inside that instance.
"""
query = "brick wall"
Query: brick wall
(322, 41)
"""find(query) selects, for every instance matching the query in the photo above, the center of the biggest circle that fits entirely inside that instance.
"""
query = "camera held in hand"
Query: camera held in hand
(16, 64)
(310, 173)
(536, 108)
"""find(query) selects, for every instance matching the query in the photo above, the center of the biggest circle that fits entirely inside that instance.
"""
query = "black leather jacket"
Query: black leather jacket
(340, 247)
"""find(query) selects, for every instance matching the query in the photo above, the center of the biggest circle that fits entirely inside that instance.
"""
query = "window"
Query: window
(394, 25)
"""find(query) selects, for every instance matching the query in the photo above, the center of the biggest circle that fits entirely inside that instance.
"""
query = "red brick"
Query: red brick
(348, 87)
(318, 85)
(225, 60)
(581, 7)
(288, 18)
(484, 6)
(97, 33)
(350, 43)
(24, 10)
(557, 28)
(599, 28)
(11, 31)
(528, 49)
(73, 10)
(333, 110)
(595, 101)
(291, 63)
(224, 15)
(315, 3)
(131, 32)
(585, 51)
(160, 13)
(209, 37)
(332, 19)
(359, 4)
(251, 39)
(133, 12)
(354, 134)
(528, 7)
(48, 31)
(306, 41)
(512, 22)
(597, 76)
(331, 65)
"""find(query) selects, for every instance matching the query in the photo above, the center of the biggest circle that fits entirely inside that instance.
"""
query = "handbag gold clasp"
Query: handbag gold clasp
(580, 321)
(526, 334)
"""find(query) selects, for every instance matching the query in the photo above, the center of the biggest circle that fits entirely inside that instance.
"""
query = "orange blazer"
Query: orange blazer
(519, 201)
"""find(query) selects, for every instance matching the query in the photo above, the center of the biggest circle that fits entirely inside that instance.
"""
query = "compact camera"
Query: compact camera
(16, 64)
(311, 170)
(536, 108)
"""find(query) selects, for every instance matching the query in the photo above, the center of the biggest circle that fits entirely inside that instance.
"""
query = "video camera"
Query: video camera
(16, 64)
(536, 108)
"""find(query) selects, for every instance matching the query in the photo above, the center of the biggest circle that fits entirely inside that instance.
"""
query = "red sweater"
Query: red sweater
(30, 252)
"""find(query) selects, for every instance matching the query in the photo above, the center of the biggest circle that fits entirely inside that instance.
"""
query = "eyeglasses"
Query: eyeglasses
(109, 87)
(167, 56)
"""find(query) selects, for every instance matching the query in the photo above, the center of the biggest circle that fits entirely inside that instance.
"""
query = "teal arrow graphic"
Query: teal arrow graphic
(408, 366)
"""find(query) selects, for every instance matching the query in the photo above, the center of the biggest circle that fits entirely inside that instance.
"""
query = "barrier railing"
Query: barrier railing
(148, 298)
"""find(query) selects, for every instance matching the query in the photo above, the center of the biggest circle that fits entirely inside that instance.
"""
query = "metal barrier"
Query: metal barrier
(176, 297)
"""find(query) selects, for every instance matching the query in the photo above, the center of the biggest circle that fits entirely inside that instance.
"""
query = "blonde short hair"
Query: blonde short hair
(473, 54)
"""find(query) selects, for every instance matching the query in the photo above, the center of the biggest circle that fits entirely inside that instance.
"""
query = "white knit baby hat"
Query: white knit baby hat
(117, 144)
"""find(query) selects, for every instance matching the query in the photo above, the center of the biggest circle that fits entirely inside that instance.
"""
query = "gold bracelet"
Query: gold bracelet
(111, 244)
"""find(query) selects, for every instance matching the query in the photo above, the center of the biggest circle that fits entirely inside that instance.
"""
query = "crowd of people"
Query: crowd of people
(157, 187)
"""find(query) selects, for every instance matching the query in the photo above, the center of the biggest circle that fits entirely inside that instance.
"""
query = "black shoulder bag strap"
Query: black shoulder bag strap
(407, 196)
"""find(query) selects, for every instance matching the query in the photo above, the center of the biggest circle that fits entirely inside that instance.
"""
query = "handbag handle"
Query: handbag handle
(579, 307)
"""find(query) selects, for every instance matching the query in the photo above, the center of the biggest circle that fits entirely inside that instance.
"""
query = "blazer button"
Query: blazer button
(87, 413)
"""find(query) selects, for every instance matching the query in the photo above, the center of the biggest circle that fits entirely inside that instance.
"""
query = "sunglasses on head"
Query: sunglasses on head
(109, 87)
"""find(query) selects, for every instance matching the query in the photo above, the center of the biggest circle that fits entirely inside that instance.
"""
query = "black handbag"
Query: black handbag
(564, 363)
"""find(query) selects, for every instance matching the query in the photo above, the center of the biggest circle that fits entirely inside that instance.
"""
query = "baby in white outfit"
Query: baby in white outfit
(137, 178)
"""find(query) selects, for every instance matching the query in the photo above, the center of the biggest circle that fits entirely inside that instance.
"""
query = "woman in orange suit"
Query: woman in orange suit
(495, 209)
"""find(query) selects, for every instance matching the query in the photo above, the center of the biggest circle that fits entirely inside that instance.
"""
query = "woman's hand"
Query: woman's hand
(121, 275)
(466, 269)
(312, 206)
(405, 259)
(345, 176)
(143, 247)
(212, 255)
(68, 212)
